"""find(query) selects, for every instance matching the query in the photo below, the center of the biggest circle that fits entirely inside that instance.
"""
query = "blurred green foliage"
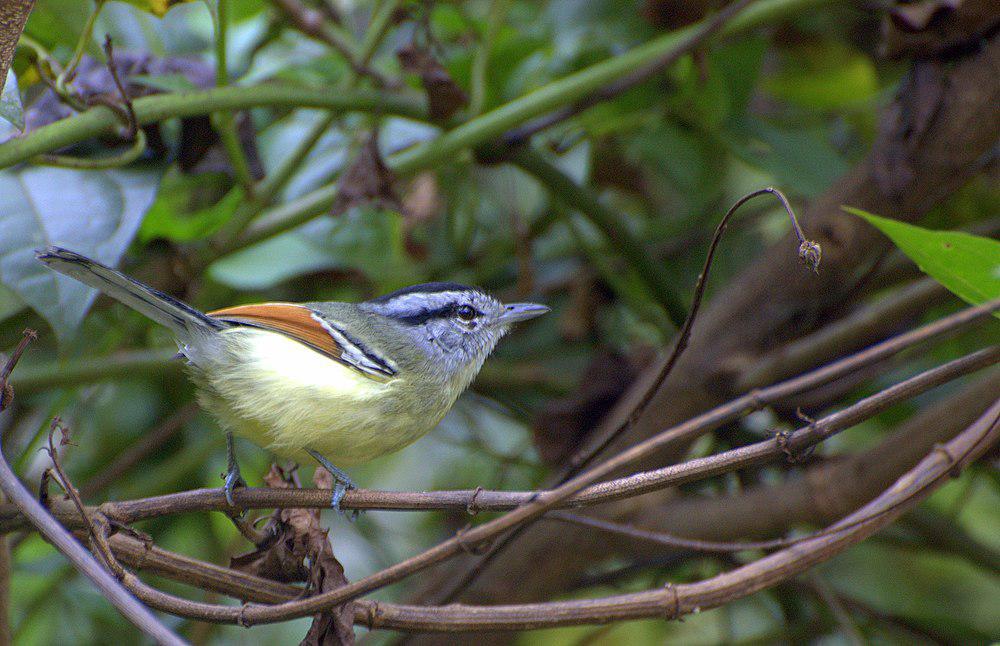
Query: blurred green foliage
(794, 106)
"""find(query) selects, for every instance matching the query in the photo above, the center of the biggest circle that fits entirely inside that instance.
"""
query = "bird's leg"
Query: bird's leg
(233, 477)
(341, 481)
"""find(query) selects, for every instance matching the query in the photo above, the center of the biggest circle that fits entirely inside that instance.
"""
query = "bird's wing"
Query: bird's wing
(308, 327)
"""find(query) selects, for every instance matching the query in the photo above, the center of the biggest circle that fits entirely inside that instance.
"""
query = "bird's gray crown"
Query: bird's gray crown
(418, 304)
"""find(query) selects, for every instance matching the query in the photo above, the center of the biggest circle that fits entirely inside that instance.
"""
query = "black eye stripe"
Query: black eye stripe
(419, 318)
(465, 312)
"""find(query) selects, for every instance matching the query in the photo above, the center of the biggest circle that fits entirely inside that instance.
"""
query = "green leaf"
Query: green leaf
(799, 157)
(825, 76)
(10, 102)
(366, 239)
(10, 304)
(94, 212)
(178, 214)
(967, 265)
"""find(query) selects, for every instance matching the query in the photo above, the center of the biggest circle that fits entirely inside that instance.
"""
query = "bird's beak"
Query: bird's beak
(516, 312)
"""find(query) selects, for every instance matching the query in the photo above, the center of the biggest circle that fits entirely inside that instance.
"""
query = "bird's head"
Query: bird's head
(454, 327)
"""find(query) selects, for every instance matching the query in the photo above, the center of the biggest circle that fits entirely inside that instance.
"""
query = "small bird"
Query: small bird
(335, 381)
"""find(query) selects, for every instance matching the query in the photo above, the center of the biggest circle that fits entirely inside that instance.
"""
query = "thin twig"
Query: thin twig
(224, 122)
(706, 30)
(65, 543)
(673, 601)
(669, 540)
(809, 252)
(126, 114)
(130, 121)
(837, 609)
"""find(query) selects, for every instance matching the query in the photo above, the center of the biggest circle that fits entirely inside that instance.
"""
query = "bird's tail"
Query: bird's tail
(184, 320)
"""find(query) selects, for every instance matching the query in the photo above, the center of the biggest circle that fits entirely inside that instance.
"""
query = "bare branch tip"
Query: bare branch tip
(6, 392)
(810, 253)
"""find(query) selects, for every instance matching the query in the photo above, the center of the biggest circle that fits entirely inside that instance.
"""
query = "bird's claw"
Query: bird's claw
(233, 480)
(340, 487)
(341, 483)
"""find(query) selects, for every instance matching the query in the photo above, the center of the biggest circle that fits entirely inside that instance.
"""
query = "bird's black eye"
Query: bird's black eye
(466, 312)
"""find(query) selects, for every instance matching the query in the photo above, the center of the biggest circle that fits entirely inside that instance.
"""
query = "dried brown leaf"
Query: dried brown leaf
(367, 179)
(932, 27)
(301, 551)
(444, 96)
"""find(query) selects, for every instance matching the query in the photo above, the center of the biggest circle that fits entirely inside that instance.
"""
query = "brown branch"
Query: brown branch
(692, 428)
(542, 502)
(677, 600)
(941, 126)
(809, 253)
(674, 601)
(64, 541)
(824, 492)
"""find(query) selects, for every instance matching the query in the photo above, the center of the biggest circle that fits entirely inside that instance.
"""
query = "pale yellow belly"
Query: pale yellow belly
(286, 397)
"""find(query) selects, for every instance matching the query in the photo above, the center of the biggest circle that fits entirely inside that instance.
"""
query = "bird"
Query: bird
(335, 381)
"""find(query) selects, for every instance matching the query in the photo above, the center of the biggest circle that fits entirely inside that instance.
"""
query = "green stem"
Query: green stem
(273, 183)
(99, 120)
(124, 158)
(492, 124)
(223, 122)
(39, 51)
(380, 22)
(33, 377)
(622, 240)
(477, 85)
(285, 216)
(578, 85)
(81, 45)
(284, 172)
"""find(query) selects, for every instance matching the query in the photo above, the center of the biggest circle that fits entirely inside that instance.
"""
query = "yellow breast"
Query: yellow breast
(286, 397)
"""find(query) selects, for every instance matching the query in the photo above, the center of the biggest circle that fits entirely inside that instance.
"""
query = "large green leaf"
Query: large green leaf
(967, 265)
(177, 213)
(10, 102)
(94, 212)
(367, 239)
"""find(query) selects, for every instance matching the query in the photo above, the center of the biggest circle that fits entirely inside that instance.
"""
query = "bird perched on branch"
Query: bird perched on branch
(346, 382)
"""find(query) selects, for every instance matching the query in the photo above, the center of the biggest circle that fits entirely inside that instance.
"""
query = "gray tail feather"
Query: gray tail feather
(166, 310)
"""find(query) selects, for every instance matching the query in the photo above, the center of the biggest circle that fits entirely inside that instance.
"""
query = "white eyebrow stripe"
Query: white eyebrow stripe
(418, 301)
(354, 353)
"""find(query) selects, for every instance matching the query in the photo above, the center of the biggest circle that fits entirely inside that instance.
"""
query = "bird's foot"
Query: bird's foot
(339, 489)
(234, 479)
(341, 483)
(232, 476)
